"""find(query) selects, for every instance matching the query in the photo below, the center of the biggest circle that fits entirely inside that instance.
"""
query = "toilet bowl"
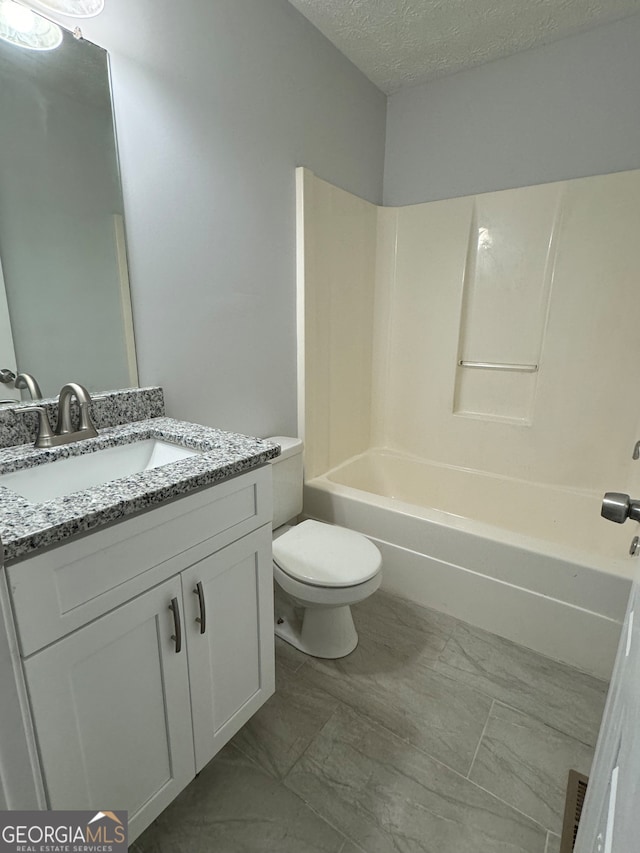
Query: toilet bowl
(320, 569)
(323, 570)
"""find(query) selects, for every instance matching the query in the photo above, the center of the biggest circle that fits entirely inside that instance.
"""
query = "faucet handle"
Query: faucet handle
(45, 433)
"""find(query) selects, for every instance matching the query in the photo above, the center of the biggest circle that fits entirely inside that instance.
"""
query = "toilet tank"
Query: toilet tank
(287, 480)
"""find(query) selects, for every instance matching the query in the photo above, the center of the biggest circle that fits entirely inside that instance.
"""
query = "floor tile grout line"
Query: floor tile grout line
(438, 761)
(321, 817)
(494, 701)
(448, 767)
(305, 660)
(313, 739)
(291, 669)
(375, 724)
(343, 703)
(544, 723)
(550, 835)
(275, 775)
(484, 731)
(339, 704)
(281, 782)
(510, 805)
(433, 665)
(309, 806)
(252, 759)
(429, 670)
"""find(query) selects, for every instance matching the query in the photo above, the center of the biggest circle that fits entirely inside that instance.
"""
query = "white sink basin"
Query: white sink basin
(65, 476)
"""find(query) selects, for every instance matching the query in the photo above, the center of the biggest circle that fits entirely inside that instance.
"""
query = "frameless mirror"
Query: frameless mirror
(65, 310)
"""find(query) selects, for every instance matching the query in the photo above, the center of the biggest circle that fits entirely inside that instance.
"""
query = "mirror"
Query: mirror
(65, 309)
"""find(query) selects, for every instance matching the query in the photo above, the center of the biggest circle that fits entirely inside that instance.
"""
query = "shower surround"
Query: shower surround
(410, 442)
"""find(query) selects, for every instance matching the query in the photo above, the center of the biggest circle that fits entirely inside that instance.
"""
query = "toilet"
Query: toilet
(320, 569)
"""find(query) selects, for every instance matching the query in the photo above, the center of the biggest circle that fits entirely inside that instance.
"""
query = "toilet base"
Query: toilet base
(322, 632)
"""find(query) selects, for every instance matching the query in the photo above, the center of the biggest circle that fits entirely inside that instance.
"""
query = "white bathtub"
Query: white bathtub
(532, 563)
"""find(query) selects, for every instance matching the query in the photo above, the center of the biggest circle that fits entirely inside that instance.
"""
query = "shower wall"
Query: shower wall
(336, 249)
(540, 282)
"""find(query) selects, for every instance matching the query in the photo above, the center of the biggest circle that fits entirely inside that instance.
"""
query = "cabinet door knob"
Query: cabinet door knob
(202, 619)
(177, 637)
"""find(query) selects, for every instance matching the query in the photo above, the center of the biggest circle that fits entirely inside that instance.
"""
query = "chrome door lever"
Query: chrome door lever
(618, 507)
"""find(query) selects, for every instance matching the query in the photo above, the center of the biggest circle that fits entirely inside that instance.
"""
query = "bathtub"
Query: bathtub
(533, 563)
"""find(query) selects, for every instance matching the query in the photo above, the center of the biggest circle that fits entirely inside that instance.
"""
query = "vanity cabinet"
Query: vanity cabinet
(173, 655)
(111, 710)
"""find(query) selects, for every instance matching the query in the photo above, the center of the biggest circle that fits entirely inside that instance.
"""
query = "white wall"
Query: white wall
(216, 104)
(566, 110)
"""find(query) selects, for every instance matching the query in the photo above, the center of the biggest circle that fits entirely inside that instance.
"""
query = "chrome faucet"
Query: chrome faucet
(21, 381)
(64, 432)
(26, 380)
(85, 425)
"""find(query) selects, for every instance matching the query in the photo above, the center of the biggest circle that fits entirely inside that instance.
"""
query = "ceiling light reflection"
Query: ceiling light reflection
(485, 240)
(22, 27)
(71, 8)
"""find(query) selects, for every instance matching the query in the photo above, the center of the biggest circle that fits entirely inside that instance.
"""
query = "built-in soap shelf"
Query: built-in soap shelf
(511, 255)
(499, 365)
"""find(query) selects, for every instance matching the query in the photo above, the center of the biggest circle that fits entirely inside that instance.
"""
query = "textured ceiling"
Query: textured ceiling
(400, 43)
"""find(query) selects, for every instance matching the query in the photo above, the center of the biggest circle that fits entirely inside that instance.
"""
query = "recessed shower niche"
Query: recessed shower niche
(505, 301)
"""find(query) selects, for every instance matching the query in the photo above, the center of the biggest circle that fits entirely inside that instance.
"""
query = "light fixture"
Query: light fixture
(71, 8)
(21, 26)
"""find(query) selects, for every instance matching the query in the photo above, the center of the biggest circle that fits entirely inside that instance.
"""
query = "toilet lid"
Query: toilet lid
(325, 555)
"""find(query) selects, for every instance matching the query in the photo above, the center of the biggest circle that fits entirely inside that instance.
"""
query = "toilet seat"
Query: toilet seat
(325, 555)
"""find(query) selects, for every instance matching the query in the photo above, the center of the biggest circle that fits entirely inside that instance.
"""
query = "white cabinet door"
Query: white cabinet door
(231, 655)
(112, 713)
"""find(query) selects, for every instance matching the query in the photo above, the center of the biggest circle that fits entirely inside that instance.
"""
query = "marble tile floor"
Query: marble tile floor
(432, 737)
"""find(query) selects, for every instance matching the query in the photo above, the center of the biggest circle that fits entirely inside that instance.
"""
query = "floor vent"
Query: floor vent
(576, 789)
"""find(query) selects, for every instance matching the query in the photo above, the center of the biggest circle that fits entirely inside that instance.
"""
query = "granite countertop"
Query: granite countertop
(27, 528)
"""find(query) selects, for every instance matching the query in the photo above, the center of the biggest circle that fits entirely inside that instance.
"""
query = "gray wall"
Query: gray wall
(216, 103)
(566, 110)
